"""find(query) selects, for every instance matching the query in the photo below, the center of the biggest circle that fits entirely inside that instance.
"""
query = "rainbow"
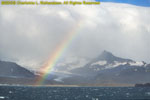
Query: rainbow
(57, 53)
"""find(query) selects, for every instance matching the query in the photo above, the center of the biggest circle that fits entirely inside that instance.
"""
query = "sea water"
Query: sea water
(73, 93)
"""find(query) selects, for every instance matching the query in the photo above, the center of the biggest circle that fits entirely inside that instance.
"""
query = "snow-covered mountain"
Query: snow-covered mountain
(107, 68)
(104, 69)
(106, 61)
(70, 63)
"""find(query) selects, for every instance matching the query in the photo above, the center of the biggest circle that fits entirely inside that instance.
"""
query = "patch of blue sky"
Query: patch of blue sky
(145, 3)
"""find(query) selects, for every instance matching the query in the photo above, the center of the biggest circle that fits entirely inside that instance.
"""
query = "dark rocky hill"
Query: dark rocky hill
(10, 69)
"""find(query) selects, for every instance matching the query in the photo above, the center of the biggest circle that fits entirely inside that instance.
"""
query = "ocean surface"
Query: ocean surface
(73, 93)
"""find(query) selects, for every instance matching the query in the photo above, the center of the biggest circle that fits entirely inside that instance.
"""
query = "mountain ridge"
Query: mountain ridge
(103, 69)
(107, 68)
(11, 69)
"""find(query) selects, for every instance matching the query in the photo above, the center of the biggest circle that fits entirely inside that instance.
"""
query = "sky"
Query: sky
(29, 34)
(145, 3)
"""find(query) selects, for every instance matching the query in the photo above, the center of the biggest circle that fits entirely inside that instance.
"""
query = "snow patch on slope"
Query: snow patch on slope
(138, 63)
(101, 63)
(115, 64)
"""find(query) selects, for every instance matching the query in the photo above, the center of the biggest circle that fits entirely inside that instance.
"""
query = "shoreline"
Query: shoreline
(21, 85)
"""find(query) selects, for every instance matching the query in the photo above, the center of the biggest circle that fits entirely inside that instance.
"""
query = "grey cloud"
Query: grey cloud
(29, 34)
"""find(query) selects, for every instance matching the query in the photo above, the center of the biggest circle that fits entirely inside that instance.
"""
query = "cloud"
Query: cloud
(29, 34)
